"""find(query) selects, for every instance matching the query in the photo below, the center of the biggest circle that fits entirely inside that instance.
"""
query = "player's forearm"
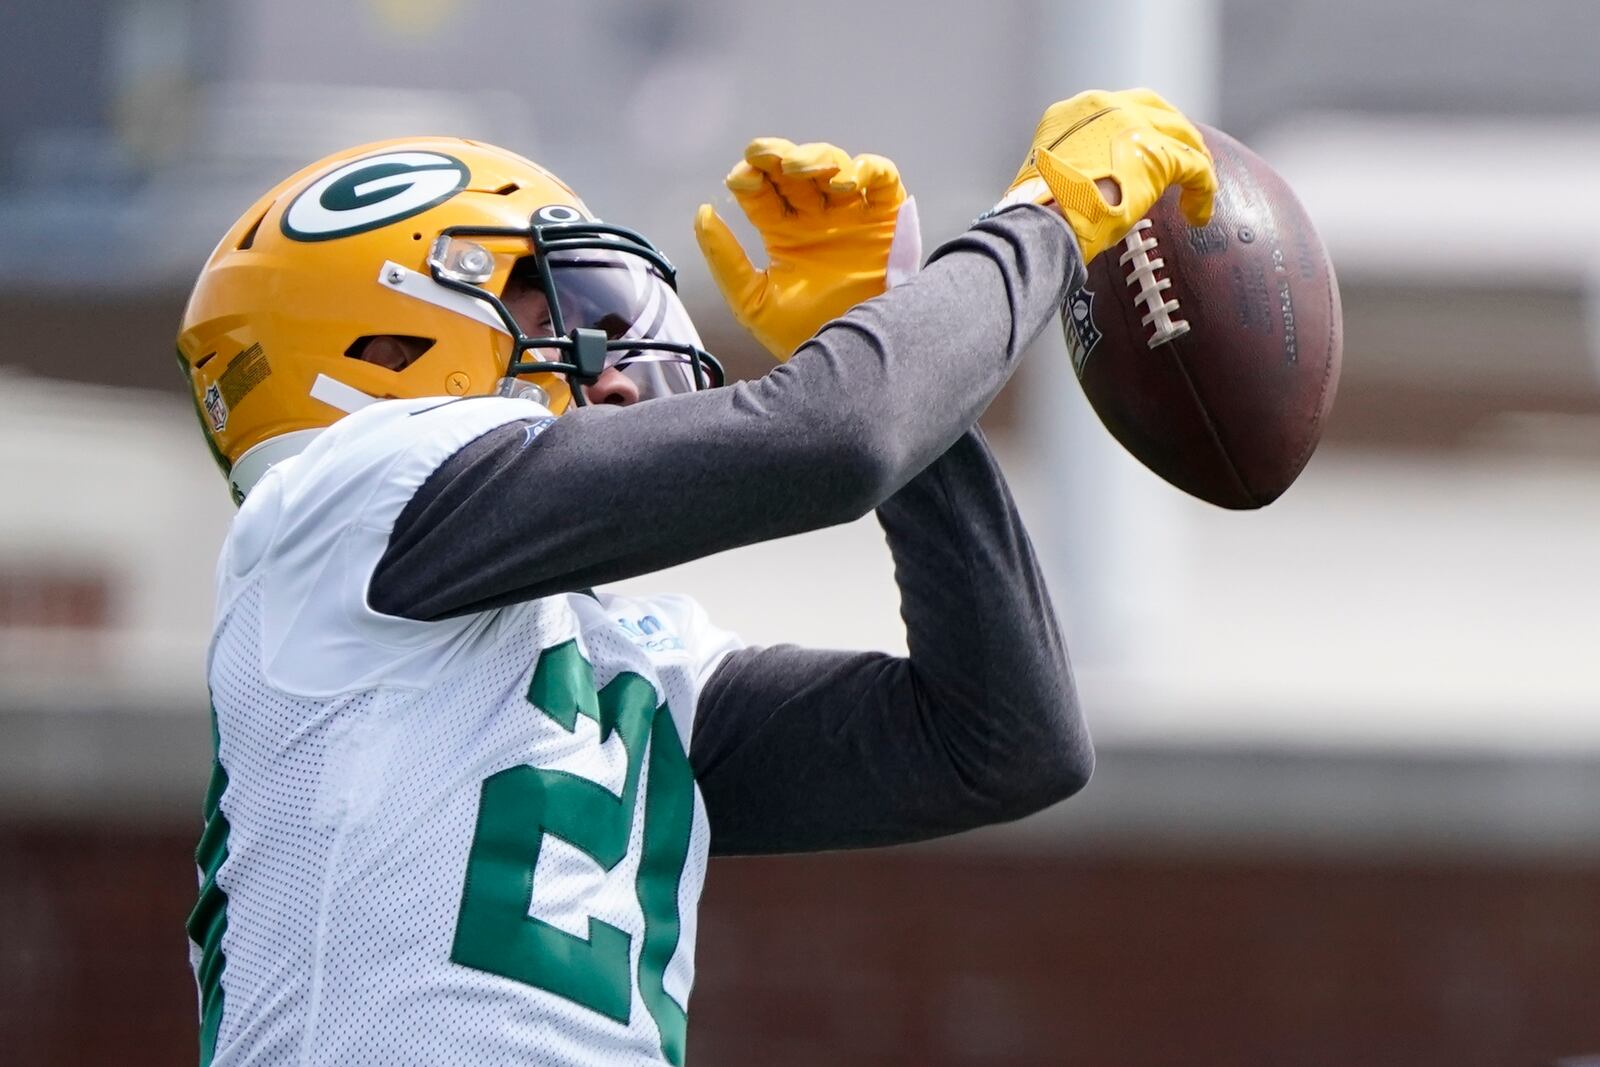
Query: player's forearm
(983, 637)
(802, 749)
(907, 374)
(606, 494)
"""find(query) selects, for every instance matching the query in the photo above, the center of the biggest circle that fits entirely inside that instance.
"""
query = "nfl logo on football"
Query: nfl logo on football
(1082, 333)
(216, 408)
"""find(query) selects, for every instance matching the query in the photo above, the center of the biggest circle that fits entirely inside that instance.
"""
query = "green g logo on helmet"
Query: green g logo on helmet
(372, 192)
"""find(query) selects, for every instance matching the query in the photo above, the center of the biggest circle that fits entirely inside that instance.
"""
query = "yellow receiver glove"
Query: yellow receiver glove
(1132, 137)
(838, 230)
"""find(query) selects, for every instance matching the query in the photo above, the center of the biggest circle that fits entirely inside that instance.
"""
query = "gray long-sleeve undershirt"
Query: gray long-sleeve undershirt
(802, 749)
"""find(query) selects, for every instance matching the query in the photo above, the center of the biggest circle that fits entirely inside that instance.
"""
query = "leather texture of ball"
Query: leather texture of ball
(1212, 354)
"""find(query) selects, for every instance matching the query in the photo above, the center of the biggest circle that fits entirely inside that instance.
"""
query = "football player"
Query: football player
(463, 798)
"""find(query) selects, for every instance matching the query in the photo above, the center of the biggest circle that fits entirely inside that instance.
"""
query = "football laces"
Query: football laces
(1140, 263)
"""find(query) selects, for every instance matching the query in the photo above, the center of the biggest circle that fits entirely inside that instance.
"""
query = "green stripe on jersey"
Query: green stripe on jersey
(668, 822)
(209, 919)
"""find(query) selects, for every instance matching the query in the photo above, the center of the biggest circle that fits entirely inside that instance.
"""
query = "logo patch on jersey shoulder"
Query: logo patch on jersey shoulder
(531, 430)
(649, 634)
(1078, 319)
(372, 192)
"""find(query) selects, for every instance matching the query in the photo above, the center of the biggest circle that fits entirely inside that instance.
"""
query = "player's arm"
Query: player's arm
(867, 403)
(608, 493)
(800, 749)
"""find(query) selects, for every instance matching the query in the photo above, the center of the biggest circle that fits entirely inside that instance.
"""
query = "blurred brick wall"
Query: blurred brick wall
(933, 957)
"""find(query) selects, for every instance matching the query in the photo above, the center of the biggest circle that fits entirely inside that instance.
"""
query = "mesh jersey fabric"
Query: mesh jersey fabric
(365, 757)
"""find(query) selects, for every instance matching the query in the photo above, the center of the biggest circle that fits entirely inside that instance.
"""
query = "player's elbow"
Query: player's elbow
(1056, 763)
(1023, 749)
(1048, 782)
(1068, 774)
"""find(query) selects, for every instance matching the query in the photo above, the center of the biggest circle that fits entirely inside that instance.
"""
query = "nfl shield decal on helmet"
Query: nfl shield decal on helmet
(216, 408)
(1078, 318)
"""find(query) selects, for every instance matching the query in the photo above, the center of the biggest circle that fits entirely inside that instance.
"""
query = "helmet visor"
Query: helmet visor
(625, 297)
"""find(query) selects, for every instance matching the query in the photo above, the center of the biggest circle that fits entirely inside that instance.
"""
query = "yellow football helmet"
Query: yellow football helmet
(417, 239)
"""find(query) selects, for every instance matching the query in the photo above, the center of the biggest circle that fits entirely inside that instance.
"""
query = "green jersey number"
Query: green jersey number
(520, 805)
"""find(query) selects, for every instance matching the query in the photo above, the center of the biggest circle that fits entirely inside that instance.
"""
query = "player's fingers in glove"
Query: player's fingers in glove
(1198, 180)
(758, 181)
(801, 175)
(1196, 176)
(764, 193)
(1173, 124)
(879, 180)
(744, 178)
(1164, 161)
(821, 162)
(730, 267)
(766, 154)
(1192, 172)
(830, 172)
(757, 195)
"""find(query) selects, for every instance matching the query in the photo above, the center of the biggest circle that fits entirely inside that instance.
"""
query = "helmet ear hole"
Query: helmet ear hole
(387, 350)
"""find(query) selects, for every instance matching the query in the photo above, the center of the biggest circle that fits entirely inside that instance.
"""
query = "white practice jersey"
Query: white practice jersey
(474, 841)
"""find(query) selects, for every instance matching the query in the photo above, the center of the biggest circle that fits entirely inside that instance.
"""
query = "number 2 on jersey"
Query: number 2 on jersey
(520, 805)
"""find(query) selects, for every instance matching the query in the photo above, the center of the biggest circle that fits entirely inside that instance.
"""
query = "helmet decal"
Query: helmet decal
(372, 192)
(561, 213)
(216, 408)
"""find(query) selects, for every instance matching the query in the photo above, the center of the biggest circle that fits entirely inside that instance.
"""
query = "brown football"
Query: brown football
(1212, 354)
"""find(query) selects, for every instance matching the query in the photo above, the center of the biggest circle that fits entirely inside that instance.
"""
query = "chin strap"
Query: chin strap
(263, 457)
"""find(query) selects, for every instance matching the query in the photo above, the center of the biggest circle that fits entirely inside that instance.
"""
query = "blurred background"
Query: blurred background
(1347, 807)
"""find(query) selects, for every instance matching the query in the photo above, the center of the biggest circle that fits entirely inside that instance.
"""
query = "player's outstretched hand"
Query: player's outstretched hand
(1137, 140)
(837, 229)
